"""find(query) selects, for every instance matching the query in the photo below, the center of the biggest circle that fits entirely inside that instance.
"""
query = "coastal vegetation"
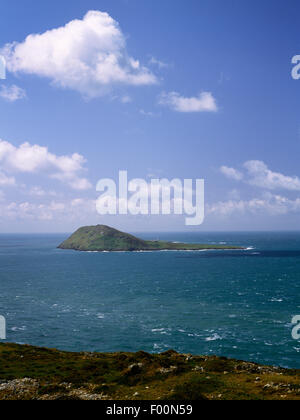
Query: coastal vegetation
(104, 238)
(32, 373)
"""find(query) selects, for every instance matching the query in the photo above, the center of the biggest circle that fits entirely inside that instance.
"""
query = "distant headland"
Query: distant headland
(103, 238)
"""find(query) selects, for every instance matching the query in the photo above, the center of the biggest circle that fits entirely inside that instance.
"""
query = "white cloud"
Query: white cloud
(126, 99)
(268, 204)
(166, 197)
(160, 64)
(37, 191)
(6, 180)
(77, 202)
(231, 173)
(29, 158)
(225, 208)
(262, 176)
(204, 102)
(12, 93)
(258, 174)
(234, 195)
(73, 180)
(73, 210)
(32, 211)
(87, 55)
(149, 113)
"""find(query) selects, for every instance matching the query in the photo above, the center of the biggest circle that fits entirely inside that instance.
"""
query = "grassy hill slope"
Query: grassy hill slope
(31, 373)
(105, 238)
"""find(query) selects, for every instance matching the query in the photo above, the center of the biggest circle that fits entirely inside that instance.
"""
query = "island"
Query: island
(103, 238)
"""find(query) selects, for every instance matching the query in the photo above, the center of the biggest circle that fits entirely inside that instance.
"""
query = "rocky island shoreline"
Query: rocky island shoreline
(32, 373)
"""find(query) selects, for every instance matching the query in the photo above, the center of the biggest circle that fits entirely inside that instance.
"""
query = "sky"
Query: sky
(187, 89)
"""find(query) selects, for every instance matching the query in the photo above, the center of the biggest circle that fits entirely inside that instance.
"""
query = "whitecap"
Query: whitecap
(160, 347)
(23, 328)
(214, 337)
(163, 331)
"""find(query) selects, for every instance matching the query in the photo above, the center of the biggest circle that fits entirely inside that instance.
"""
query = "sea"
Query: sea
(237, 304)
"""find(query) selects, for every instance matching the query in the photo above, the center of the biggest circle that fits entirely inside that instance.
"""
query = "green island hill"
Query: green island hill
(32, 373)
(104, 238)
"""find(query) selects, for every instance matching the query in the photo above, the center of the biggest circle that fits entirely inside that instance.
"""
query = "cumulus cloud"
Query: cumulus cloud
(87, 55)
(29, 158)
(258, 174)
(269, 203)
(12, 93)
(204, 102)
(38, 191)
(231, 173)
(72, 210)
(73, 180)
(262, 176)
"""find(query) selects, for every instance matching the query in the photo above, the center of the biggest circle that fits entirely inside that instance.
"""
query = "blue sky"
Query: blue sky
(186, 89)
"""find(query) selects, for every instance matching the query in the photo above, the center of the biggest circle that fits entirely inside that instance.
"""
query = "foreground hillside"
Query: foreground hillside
(31, 373)
(104, 238)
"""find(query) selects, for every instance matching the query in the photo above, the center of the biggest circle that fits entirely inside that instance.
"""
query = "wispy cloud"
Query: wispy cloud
(149, 113)
(204, 102)
(12, 93)
(160, 64)
(6, 180)
(126, 99)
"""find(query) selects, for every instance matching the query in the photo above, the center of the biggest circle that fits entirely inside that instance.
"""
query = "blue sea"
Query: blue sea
(232, 303)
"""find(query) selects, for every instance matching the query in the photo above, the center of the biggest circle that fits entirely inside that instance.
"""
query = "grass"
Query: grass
(170, 376)
(104, 238)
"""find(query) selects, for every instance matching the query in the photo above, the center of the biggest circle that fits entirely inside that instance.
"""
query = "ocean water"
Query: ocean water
(232, 303)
